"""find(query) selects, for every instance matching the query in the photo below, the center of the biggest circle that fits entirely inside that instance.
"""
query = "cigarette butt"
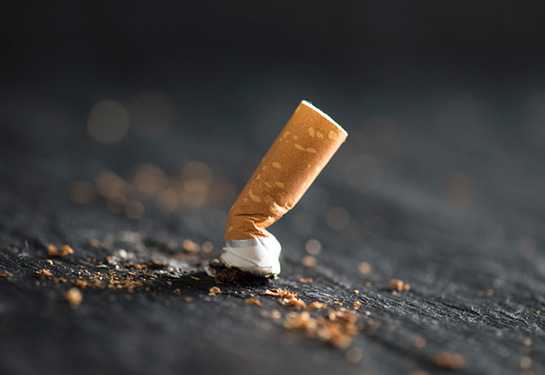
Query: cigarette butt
(297, 156)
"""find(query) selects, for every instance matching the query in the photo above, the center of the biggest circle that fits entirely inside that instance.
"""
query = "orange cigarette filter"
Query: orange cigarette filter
(297, 156)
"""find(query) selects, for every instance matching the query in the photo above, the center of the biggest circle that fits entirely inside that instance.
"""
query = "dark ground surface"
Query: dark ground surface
(440, 184)
(471, 250)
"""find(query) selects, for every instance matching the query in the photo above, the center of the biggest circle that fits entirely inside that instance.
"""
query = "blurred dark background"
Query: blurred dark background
(223, 44)
(451, 86)
(444, 102)
(238, 54)
(229, 55)
(432, 94)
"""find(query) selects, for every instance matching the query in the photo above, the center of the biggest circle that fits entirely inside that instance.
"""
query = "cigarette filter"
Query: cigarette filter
(297, 156)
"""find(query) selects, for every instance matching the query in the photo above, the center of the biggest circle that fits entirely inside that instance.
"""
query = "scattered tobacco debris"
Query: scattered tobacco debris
(339, 328)
(399, 285)
(449, 359)
(253, 301)
(214, 291)
(42, 274)
(52, 251)
(316, 306)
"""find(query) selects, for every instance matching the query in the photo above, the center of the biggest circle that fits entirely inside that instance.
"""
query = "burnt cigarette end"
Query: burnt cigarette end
(236, 276)
(297, 156)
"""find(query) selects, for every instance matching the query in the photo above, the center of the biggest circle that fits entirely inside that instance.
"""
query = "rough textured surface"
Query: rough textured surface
(444, 201)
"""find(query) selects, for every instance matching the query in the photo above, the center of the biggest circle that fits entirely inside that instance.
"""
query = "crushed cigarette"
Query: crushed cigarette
(214, 291)
(299, 153)
(399, 285)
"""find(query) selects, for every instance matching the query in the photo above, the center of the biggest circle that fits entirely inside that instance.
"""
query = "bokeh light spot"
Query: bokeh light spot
(134, 210)
(313, 246)
(363, 174)
(460, 189)
(110, 185)
(386, 138)
(108, 122)
(151, 114)
(82, 192)
(527, 247)
(337, 218)
(148, 178)
(303, 223)
(222, 192)
(374, 226)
